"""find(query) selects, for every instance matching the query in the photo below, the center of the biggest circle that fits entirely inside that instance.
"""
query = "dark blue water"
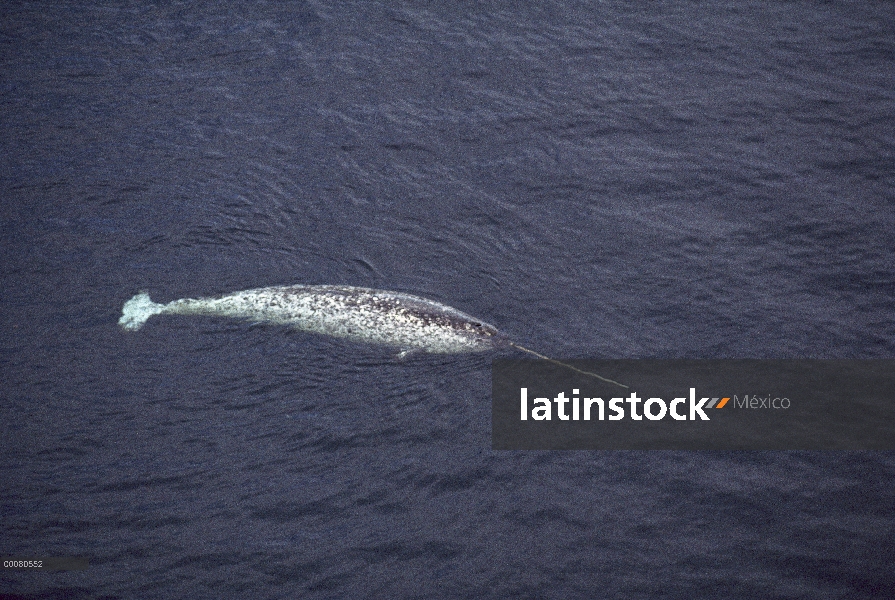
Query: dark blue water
(609, 180)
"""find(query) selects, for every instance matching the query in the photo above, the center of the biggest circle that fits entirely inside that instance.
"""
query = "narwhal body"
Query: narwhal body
(392, 319)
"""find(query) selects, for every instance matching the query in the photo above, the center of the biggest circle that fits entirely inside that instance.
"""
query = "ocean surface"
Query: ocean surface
(596, 179)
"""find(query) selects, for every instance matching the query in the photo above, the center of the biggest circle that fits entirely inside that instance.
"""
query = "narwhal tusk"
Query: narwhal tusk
(568, 366)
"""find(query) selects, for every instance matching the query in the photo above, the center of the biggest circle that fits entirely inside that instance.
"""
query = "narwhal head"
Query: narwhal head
(485, 335)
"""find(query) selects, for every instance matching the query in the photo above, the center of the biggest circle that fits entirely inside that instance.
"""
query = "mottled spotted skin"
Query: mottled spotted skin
(361, 314)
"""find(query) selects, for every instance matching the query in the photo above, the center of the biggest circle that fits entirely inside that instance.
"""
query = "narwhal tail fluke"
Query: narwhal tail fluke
(568, 366)
(137, 310)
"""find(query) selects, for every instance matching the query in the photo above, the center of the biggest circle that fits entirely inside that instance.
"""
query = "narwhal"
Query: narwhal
(403, 321)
